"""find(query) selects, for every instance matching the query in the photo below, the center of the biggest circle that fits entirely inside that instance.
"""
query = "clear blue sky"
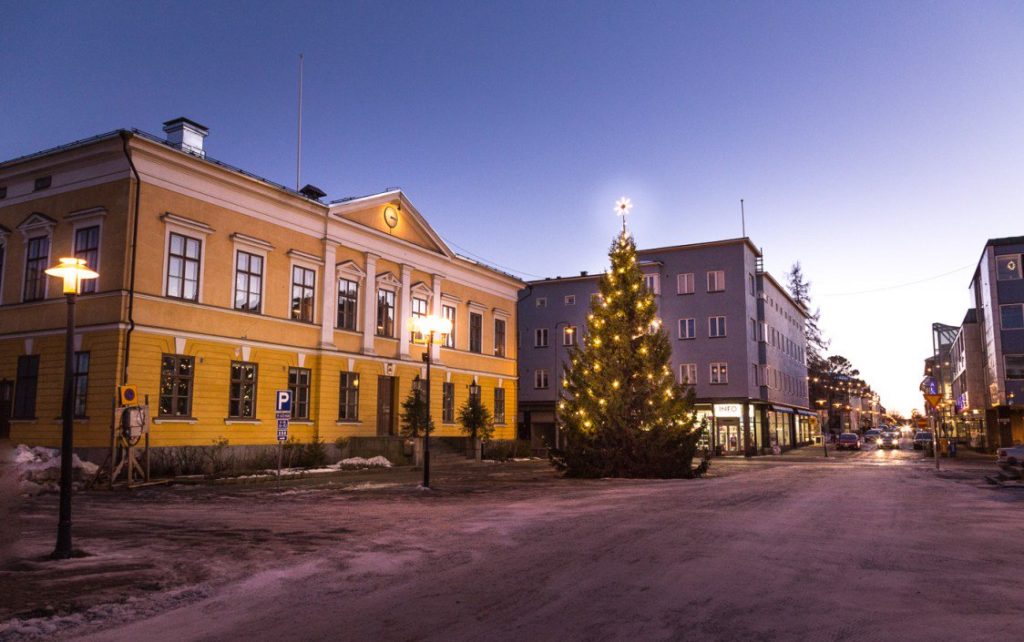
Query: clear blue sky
(877, 143)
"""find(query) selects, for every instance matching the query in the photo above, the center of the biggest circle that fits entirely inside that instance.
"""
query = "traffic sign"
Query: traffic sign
(933, 400)
(129, 394)
(282, 430)
(284, 400)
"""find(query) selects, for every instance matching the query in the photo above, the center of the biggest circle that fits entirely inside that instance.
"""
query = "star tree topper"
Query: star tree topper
(622, 208)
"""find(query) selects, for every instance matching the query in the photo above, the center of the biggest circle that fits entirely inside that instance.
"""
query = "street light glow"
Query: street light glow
(72, 271)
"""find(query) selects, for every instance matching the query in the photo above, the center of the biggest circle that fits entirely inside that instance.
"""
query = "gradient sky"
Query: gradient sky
(880, 144)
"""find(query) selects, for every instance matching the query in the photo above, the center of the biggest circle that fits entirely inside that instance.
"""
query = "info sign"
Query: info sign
(728, 410)
(284, 413)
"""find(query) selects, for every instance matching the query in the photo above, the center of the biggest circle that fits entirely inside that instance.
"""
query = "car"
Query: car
(1012, 455)
(848, 440)
(872, 435)
(922, 438)
(889, 441)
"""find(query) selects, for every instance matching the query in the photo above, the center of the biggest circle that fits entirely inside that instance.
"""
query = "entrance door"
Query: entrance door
(6, 401)
(729, 437)
(385, 406)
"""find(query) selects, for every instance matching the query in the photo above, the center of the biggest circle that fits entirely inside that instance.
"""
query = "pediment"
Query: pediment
(387, 279)
(350, 269)
(422, 290)
(409, 224)
(36, 221)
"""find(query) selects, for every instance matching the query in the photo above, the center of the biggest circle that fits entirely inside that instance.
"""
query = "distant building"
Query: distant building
(218, 288)
(968, 385)
(737, 338)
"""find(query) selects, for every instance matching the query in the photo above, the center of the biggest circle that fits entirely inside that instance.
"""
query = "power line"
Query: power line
(901, 285)
(490, 262)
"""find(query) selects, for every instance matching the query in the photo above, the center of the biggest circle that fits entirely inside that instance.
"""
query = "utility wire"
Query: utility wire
(901, 285)
(489, 262)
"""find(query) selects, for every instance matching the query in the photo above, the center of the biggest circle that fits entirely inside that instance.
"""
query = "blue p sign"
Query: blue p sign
(284, 400)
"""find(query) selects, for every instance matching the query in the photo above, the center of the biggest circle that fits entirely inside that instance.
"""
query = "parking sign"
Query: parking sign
(284, 400)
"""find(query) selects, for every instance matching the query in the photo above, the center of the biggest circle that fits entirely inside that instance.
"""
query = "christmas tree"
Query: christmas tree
(622, 412)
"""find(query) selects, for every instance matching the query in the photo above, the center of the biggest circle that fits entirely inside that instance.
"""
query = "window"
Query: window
(419, 307)
(37, 256)
(716, 326)
(570, 299)
(474, 391)
(1014, 366)
(43, 182)
(652, 283)
(25, 387)
(688, 374)
(248, 281)
(448, 312)
(755, 374)
(595, 299)
(348, 397)
(303, 293)
(499, 337)
(80, 384)
(448, 402)
(1012, 316)
(1008, 267)
(716, 281)
(499, 405)
(298, 384)
(752, 286)
(753, 329)
(687, 328)
(542, 302)
(540, 379)
(183, 267)
(684, 283)
(569, 335)
(476, 331)
(385, 313)
(87, 246)
(176, 376)
(348, 304)
(540, 338)
(242, 393)
(719, 373)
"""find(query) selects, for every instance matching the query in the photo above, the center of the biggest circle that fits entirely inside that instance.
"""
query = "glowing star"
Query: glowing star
(623, 205)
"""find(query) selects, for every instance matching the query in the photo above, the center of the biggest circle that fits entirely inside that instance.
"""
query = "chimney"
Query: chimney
(186, 135)
(583, 273)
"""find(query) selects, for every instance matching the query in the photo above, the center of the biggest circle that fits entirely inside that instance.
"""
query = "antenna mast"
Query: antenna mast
(298, 151)
(743, 219)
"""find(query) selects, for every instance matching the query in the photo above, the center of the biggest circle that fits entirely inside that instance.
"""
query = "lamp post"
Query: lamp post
(571, 331)
(423, 329)
(71, 271)
(824, 438)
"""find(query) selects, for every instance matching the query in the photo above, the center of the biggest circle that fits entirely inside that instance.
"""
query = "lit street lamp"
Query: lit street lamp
(71, 271)
(570, 332)
(424, 329)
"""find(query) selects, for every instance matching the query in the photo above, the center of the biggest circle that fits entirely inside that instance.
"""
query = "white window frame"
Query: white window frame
(693, 323)
(196, 230)
(570, 299)
(719, 280)
(540, 376)
(92, 217)
(655, 283)
(34, 226)
(450, 342)
(569, 339)
(310, 262)
(685, 283)
(542, 302)
(718, 373)
(538, 334)
(713, 323)
(257, 247)
(349, 271)
(686, 369)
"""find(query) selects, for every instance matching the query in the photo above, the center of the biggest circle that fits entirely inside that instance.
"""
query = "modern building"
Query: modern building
(997, 295)
(218, 288)
(968, 387)
(737, 335)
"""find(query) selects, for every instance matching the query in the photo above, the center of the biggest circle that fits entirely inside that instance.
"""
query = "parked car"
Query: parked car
(1011, 455)
(889, 441)
(848, 440)
(922, 438)
(872, 436)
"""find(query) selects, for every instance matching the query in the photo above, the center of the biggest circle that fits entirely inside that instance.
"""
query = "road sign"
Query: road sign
(933, 400)
(129, 394)
(921, 422)
(282, 430)
(284, 400)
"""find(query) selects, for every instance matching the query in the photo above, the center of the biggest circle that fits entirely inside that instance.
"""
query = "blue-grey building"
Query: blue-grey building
(737, 335)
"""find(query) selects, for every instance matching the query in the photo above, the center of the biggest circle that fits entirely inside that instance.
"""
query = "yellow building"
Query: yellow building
(218, 288)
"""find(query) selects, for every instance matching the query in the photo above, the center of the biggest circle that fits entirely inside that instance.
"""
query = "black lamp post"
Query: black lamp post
(424, 328)
(71, 271)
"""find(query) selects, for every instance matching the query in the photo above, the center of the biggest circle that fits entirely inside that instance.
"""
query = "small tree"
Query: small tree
(416, 415)
(476, 419)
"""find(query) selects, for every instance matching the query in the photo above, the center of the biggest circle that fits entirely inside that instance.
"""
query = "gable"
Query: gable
(409, 225)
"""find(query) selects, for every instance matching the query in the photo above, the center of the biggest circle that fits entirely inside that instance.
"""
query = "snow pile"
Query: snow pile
(38, 469)
(360, 462)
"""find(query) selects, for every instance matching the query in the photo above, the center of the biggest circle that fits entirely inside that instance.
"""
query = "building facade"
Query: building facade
(737, 336)
(218, 288)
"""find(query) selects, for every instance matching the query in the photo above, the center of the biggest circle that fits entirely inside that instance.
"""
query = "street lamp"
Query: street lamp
(824, 438)
(570, 330)
(71, 271)
(423, 331)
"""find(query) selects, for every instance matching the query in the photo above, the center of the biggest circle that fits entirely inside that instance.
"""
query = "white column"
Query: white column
(330, 296)
(404, 308)
(370, 303)
(435, 309)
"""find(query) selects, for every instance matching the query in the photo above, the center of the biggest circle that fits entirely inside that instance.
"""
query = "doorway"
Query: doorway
(6, 401)
(385, 406)
(729, 436)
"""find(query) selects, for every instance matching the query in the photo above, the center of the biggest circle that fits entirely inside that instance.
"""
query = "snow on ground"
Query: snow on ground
(38, 469)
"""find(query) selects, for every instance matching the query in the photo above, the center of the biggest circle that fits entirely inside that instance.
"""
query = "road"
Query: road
(863, 546)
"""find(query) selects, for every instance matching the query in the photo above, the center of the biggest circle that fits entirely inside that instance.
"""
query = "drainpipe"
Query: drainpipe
(125, 136)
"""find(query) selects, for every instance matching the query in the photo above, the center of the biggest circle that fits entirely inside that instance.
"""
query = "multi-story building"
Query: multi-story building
(737, 335)
(218, 288)
(968, 387)
(997, 294)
